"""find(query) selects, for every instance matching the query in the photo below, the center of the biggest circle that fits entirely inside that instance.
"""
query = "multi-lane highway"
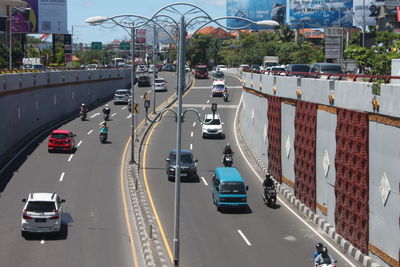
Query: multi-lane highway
(260, 237)
(95, 230)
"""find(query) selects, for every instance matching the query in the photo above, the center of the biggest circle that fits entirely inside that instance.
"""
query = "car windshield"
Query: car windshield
(331, 69)
(59, 135)
(278, 69)
(213, 122)
(122, 92)
(232, 188)
(201, 69)
(159, 81)
(219, 86)
(41, 206)
(222, 67)
(300, 68)
(256, 67)
(185, 158)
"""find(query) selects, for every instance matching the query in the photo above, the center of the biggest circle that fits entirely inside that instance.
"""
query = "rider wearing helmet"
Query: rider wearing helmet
(268, 182)
(83, 108)
(106, 110)
(228, 150)
(104, 128)
(318, 248)
(323, 258)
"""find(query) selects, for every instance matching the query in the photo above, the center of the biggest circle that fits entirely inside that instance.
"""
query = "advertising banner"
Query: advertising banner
(320, 13)
(141, 36)
(44, 16)
(370, 11)
(255, 10)
(162, 36)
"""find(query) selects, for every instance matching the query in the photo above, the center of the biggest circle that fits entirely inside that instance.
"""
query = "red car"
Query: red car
(200, 71)
(61, 140)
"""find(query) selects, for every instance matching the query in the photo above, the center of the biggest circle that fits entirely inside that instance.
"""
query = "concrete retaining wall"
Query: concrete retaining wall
(33, 101)
(384, 146)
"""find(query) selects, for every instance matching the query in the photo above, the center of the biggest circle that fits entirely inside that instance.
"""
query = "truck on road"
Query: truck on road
(270, 61)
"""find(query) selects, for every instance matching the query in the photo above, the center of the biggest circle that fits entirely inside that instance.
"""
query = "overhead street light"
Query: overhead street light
(196, 16)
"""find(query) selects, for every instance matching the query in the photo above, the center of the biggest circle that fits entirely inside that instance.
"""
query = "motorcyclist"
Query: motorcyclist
(104, 129)
(106, 110)
(323, 258)
(318, 249)
(83, 109)
(268, 182)
(228, 150)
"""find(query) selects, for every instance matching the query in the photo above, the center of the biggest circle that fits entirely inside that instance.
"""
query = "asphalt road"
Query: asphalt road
(261, 237)
(94, 231)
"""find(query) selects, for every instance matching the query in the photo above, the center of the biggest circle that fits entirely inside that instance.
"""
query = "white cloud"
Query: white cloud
(89, 3)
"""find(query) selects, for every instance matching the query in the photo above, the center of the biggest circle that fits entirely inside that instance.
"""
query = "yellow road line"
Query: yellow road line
(148, 188)
(133, 248)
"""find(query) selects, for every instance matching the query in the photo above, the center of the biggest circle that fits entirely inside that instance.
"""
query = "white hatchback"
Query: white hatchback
(160, 84)
(41, 213)
(212, 126)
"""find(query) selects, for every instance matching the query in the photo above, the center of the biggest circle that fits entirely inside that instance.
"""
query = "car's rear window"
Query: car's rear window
(122, 92)
(201, 69)
(300, 68)
(232, 188)
(159, 81)
(41, 206)
(331, 69)
(59, 135)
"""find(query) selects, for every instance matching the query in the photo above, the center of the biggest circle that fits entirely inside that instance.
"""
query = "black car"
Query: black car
(298, 68)
(218, 74)
(188, 165)
(144, 80)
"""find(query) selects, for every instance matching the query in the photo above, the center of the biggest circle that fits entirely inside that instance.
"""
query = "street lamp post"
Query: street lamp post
(154, 66)
(133, 76)
(203, 19)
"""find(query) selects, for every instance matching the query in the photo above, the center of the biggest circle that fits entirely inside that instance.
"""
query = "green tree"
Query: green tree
(284, 33)
(3, 56)
(199, 49)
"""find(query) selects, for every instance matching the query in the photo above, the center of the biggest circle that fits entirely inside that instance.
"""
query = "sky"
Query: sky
(80, 10)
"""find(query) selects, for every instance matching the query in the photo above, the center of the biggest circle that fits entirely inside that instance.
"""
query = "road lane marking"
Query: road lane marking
(194, 124)
(149, 91)
(129, 116)
(244, 238)
(80, 142)
(101, 122)
(164, 238)
(208, 101)
(191, 134)
(127, 219)
(42, 241)
(62, 176)
(90, 132)
(191, 147)
(209, 106)
(70, 157)
(94, 115)
(113, 114)
(283, 203)
(204, 180)
(123, 108)
(204, 107)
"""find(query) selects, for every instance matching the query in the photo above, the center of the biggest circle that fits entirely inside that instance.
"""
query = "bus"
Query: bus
(118, 62)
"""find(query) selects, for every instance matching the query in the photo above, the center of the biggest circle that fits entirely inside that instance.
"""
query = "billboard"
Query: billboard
(255, 10)
(162, 37)
(141, 35)
(44, 16)
(370, 10)
(320, 13)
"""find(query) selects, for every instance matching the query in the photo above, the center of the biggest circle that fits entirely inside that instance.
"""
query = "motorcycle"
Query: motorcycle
(226, 96)
(106, 116)
(269, 196)
(227, 160)
(103, 138)
(83, 115)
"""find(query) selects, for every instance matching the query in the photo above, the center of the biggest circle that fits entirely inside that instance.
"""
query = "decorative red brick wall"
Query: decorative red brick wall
(274, 137)
(352, 182)
(305, 144)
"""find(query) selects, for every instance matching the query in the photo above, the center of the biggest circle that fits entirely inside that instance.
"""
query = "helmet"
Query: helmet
(107, 106)
(228, 145)
(267, 175)
(324, 251)
(319, 246)
(83, 104)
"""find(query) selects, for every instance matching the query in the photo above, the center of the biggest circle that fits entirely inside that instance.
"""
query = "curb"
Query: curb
(323, 224)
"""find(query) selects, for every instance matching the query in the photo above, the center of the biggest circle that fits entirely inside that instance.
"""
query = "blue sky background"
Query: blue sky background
(80, 10)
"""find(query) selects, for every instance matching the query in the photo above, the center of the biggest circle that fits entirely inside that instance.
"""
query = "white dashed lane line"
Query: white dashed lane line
(62, 176)
(129, 116)
(42, 241)
(80, 142)
(90, 132)
(101, 123)
(123, 108)
(244, 238)
(208, 101)
(204, 180)
(113, 114)
(94, 115)
(194, 124)
(204, 107)
(191, 146)
(191, 134)
(70, 157)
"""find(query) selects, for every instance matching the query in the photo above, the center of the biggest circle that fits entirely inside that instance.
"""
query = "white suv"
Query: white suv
(212, 126)
(160, 84)
(41, 213)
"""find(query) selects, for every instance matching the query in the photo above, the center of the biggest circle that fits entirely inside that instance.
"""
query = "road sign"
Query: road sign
(97, 45)
(125, 46)
(136, 108)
